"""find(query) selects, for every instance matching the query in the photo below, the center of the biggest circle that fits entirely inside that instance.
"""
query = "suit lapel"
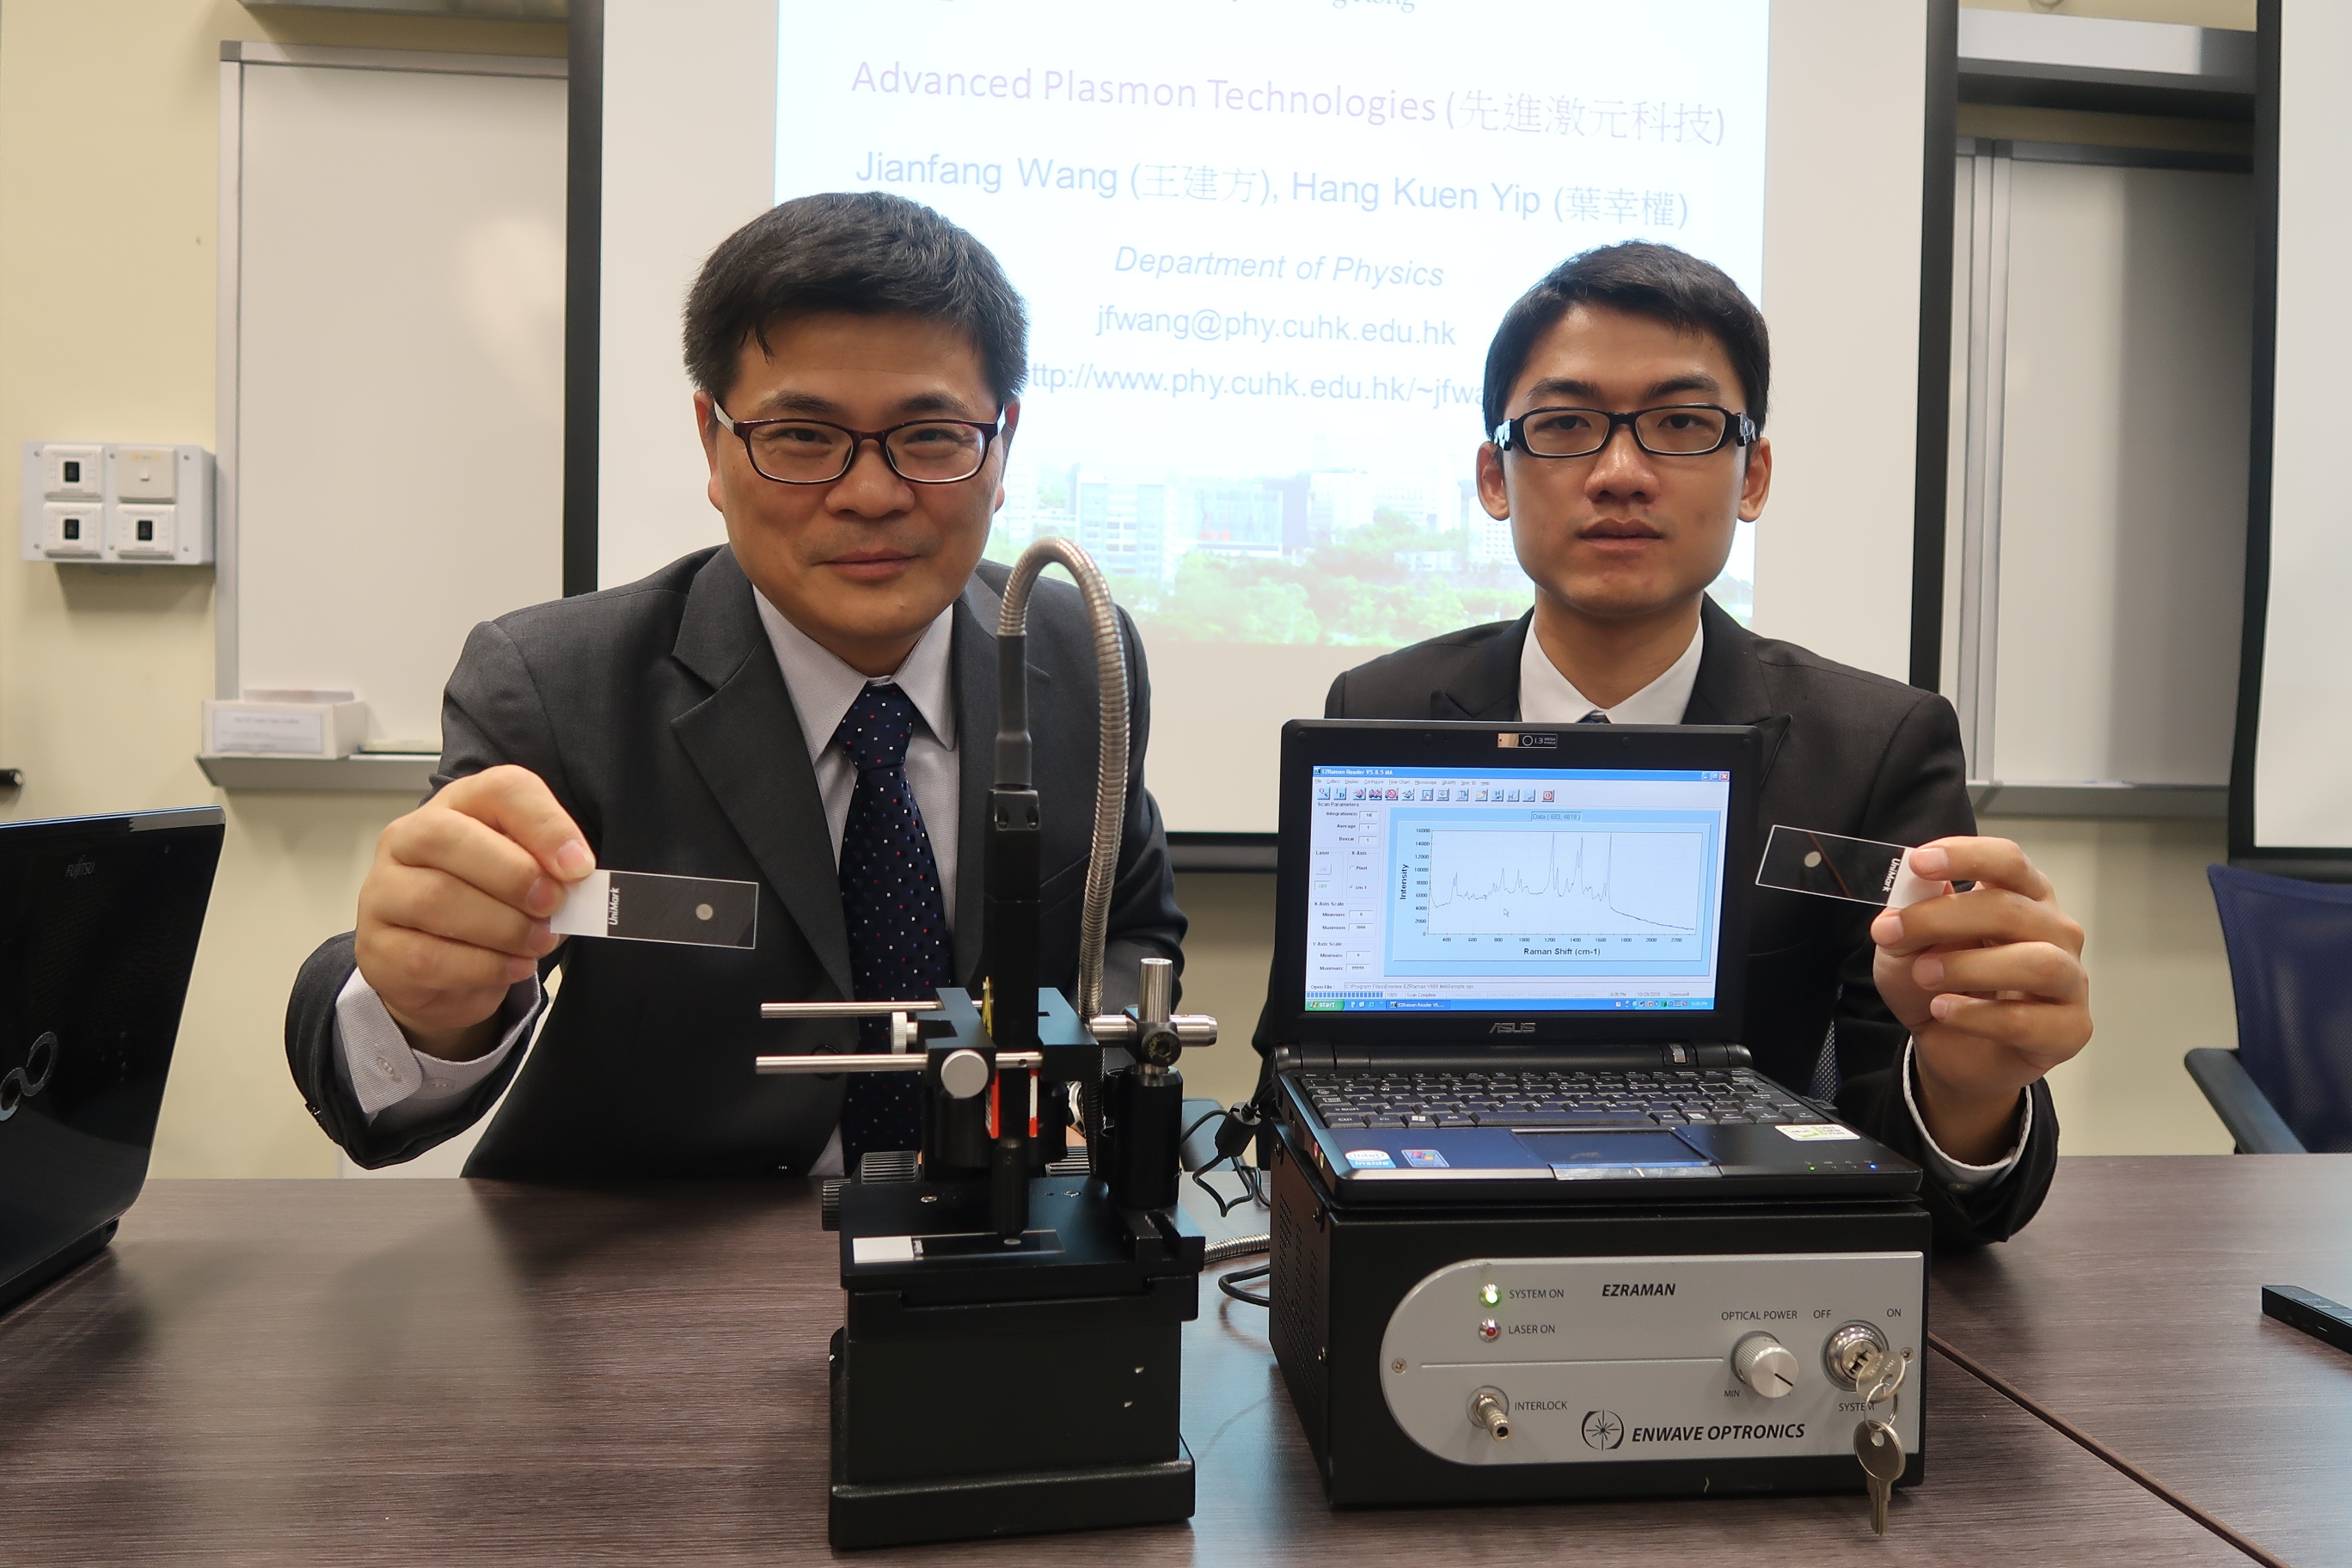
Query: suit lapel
(745, 739)
(1489, 688)
(1730, 685)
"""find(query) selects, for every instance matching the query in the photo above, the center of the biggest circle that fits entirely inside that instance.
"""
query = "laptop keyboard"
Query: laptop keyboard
(1553, 1099)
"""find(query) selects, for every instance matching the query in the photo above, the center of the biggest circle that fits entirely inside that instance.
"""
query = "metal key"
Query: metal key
(1881, 1453)
(1881, 1377)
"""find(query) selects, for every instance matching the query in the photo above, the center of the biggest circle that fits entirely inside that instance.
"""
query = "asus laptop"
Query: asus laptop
(99, 922)
(1509, 964)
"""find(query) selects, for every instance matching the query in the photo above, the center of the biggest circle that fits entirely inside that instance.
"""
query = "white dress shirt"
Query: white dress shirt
(1547, 697)
(398, 1086)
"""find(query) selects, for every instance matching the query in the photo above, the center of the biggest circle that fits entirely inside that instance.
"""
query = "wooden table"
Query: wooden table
(266, 1372)
(2130, 1310)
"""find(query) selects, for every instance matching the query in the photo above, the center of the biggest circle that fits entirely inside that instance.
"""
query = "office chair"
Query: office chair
(2288, 1085)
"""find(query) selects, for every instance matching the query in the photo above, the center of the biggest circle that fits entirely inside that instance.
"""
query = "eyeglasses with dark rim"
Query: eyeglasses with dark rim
(813, 452)
(1671, 430)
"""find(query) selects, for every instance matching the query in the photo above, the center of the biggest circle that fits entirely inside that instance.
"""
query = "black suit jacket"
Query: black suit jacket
(1845, 752)
(658, 715)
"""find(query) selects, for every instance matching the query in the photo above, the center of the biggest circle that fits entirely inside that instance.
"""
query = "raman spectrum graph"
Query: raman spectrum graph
(1491, 882)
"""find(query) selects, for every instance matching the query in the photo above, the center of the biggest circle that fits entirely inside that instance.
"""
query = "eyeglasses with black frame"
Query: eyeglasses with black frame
(1671, 430)
(815, 452)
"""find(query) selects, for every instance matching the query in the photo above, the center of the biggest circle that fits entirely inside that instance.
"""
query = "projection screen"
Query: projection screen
(1264, 245)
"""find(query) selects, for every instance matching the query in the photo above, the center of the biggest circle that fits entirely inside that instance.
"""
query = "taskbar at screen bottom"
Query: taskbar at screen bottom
(1509, 1003)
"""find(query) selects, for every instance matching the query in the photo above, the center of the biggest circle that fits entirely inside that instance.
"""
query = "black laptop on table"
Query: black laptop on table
(99, 922)
(1509, 964)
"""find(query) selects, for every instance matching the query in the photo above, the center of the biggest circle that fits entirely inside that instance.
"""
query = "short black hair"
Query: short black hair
(1640, 279)
(862, 253)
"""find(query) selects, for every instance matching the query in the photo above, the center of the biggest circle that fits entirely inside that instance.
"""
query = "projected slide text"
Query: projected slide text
(1265, 244)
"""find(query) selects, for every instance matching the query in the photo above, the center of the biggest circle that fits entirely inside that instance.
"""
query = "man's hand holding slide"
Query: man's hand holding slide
(1990, 983)
(456, 908)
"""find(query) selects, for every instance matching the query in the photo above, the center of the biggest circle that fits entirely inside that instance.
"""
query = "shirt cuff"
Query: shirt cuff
(385, 1071)
(1955, 1175)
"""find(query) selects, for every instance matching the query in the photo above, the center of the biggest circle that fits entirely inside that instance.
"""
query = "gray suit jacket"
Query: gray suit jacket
(658, 715)
(1844, 752)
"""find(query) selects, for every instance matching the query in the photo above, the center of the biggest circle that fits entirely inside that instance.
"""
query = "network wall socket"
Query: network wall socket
(142, 503)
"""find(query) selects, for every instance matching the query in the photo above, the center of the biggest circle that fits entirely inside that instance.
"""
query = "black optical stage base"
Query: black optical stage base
(980, 1389)
(1012, 1502)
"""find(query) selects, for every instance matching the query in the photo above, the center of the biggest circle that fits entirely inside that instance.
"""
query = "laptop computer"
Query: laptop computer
(1509, 964)
(98, 921)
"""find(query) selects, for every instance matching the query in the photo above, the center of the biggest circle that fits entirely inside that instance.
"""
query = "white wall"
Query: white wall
(2159, 980)
(1834, 547)
(689, 157)
(107, 310)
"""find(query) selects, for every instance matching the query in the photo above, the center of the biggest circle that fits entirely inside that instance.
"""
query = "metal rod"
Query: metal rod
(1156, 993)
(1112, 757)
(843, 1009)
(1117, 1029)
(878, 1062)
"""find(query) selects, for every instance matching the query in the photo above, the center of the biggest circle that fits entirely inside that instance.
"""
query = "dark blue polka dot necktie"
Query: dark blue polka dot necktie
(1595, 717)
(898, 949)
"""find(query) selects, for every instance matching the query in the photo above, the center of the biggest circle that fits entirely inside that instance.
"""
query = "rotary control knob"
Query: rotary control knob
(964, 1074)
(1765, 1364)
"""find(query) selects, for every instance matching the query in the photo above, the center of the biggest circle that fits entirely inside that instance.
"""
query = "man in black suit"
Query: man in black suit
(1625, 400)
(808, 706)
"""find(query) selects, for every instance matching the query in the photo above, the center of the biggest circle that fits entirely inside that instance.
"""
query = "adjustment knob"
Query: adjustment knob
(1765, 1366)
(964, 1074)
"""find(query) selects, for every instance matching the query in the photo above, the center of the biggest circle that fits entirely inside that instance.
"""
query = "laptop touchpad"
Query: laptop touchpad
(1602, 1156)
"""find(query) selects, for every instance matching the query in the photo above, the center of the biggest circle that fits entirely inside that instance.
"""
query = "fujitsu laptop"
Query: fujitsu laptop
(99, 922)
(1509, 964)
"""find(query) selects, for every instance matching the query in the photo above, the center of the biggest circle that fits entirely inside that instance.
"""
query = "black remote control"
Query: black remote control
(2314, 1314)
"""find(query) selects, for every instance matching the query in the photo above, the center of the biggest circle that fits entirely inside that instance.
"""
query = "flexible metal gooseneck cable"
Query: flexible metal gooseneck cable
(1111, 781)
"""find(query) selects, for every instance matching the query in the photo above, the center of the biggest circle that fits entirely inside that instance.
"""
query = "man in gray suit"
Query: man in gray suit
(807, 707)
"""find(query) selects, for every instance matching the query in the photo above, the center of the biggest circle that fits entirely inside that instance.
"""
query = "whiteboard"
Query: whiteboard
(2101, 542)
(391, 365)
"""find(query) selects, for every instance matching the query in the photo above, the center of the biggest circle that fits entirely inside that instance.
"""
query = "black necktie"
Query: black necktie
(1595, 717)
(891, 896)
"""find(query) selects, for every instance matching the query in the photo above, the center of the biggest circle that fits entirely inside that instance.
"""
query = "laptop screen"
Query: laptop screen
(1519, 889)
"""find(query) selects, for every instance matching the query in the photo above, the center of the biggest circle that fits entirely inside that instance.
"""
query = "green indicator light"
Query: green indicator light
(1489, 1295)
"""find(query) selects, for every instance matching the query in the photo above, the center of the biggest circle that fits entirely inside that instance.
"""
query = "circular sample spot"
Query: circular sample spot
(1812, 858)
(703, 911)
